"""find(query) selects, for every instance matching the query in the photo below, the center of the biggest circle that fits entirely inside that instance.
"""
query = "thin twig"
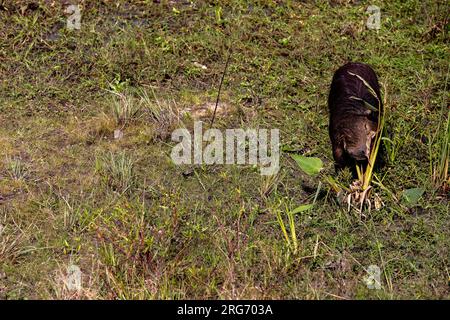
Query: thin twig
(220, 86)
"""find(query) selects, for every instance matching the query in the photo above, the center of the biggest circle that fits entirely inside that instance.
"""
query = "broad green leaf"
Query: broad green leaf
(310, 165)
(413, 195)
(302, 208)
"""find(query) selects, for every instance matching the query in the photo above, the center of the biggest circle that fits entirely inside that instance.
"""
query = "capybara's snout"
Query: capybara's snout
(360, 153)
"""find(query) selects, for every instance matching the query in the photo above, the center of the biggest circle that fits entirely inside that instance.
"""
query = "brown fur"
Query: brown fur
(352, 124)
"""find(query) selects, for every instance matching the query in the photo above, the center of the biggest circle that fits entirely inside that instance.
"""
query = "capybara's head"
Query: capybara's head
(357, 137)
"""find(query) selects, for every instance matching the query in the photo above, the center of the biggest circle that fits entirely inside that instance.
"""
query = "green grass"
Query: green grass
(140, 227)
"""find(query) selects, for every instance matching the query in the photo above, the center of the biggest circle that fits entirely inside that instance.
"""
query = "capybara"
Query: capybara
(353, 114)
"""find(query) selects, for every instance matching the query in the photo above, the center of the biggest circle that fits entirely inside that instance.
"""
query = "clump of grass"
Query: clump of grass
(117, 171)
(17, 169)
(74, 214)
(288, 230)
(281, 209)
(268, 184)
(12, 241)
(125, 107)
(289, 236)
(392, 147)
(160, 112)
(440, 175)
(157, 110)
